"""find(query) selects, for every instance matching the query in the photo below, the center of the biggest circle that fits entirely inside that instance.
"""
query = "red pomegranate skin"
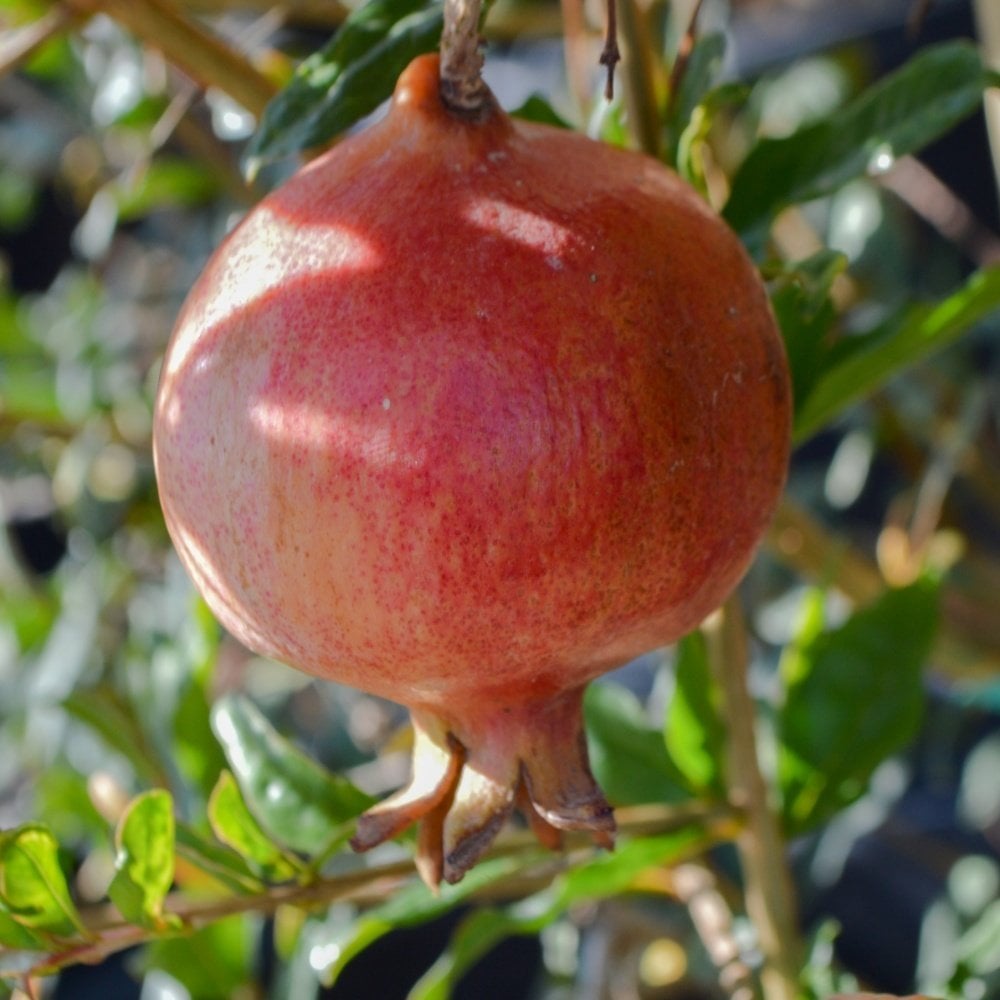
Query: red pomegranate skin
(466, 413)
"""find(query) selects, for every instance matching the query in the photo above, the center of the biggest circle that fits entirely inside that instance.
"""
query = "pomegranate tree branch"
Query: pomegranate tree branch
(371, 885)
(768, 892)
(462, 87)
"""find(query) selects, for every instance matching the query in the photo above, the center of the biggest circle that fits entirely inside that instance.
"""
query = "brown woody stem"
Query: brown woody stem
(462, 86)
(770, 898)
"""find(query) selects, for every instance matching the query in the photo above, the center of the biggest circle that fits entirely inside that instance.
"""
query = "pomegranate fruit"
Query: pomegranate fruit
(468, 412)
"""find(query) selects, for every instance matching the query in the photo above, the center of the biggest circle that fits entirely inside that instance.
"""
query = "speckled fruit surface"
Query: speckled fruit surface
(465, 414)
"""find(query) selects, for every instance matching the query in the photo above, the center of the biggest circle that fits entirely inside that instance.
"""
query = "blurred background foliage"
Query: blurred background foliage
(880, 727)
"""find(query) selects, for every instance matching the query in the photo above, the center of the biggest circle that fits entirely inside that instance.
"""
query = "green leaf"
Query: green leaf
(475, 936)
(113, 718)
(857, 366)
(214, 961)
(537, 109)
(165, 183)
(800, 297)
(853, 696)
(33, 888)
(294, 800)
(215, 859)
(234, 824)
(16, 936)
(346, 79)
(627, 754)
(414, 904)
(898, 115)
(606, 875)
(144, 862)
(686, 153)
(694, 732)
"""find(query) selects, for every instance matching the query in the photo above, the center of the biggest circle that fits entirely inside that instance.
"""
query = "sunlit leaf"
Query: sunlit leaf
(144, 860)
(299, 803)
(33, 888)
(935, 90)
(346, 79)
(859, 365)
(234, 824)
(220, 862)
(853, 696)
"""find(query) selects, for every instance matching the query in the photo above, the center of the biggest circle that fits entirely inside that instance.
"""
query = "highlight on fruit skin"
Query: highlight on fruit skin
(466, 414)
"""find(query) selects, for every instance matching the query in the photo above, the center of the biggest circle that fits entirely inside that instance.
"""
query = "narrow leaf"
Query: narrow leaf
(898, 115)
(33, 889)
(859, 365)
(414, 904)
(694, 732)
(346, 79)
(294, 800)
(113, 718)
(234, 824)
(853, 696)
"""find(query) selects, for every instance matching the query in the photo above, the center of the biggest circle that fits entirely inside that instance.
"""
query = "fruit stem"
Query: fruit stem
(462, 86)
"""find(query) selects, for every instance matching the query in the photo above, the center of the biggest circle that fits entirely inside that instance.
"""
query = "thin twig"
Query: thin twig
(610, 55)
(373, 884)
(768, 892)
(17, 45)
(205, 57)
(695, 886)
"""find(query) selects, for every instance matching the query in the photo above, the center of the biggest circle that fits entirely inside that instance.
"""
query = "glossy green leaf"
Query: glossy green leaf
(694, 731)
(853, 696)
(297, 802)
(856, 366)
(144, 860)
(935, 90)
(627, 754)
(234, 824)
(346, 79)
(33, 889)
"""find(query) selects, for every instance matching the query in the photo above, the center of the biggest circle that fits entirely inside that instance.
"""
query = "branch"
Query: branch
(205, 57)
(768, 892)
